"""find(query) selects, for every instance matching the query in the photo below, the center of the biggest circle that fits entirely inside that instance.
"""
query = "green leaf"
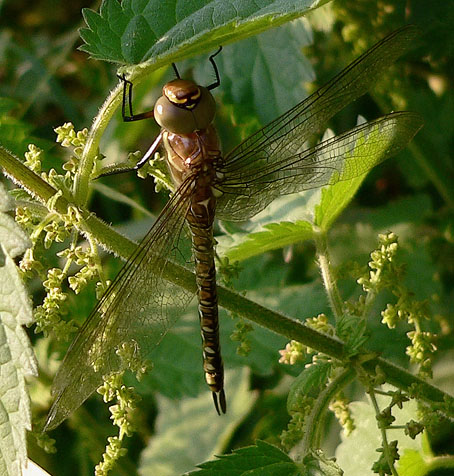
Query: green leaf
(181, 424)
(287, 220)
(6, 202)
(184, 377)
(411, 463)
(310, 382)
(275, 235)
(372, 147)
(357, 452)
(13, 239)
(335, 198)
(269, 84)
(262, 459)
(317, 464)
(375, 141)
(176, 378)
(352, 330)
(157, 32)
(16, 355)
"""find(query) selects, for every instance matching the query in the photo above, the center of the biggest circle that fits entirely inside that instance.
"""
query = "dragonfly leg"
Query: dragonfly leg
(127, 98)
(216, 72)
(221, 403)
(118, 169)
(177, 74)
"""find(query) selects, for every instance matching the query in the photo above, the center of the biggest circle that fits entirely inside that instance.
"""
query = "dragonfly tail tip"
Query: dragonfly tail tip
(222, 402)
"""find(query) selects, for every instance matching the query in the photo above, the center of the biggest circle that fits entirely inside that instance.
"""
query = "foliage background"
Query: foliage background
(45, 81)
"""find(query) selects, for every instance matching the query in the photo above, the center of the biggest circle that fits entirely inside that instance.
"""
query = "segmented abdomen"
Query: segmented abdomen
(200, 218)
(195, 155)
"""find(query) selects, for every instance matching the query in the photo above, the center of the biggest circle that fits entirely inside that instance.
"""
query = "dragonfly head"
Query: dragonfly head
(184, 107)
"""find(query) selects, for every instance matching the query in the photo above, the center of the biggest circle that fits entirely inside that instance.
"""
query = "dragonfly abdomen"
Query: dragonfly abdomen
(193, 157)
(200, 219)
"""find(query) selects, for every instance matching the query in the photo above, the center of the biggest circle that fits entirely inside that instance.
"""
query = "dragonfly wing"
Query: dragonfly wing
(139, 307)
(286, 136)
(339, 158)
(307, 117)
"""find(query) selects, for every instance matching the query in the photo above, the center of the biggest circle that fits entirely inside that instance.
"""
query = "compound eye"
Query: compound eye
(181, 119)
(173, 118)
(205, 110)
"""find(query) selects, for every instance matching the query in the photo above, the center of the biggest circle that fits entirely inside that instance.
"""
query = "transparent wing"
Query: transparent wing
(288, 132)
(140, 306)
(285, 137)
(342, 157)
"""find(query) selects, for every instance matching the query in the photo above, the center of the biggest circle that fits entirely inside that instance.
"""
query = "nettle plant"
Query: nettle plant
(329, 353)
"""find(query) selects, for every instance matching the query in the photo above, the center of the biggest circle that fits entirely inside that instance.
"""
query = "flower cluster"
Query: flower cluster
(112, 453)
(33, 158)
(241, 335)
(339, 406)
(48, 316)
(382, 466)
(384, 271)
(387, 273)
(67, 136)
(48, 225)
(84, 258)
(295, 351)
(295, 428)
(126, 401)
(385, 419)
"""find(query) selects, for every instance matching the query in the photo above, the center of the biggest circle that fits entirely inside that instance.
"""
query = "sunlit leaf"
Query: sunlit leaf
(262, 459)
(137, 31)
(16, 356)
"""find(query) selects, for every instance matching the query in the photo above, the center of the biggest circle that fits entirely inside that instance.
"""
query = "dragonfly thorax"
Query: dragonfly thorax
(184, 107)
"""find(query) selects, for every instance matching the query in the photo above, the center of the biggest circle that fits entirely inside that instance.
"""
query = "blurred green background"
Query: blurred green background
(45, 81)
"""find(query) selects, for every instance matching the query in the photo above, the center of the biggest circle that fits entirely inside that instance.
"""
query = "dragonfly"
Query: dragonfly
(140, 305)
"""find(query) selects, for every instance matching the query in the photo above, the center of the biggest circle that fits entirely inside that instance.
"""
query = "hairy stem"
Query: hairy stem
(102, 119)
(327, 275)
(121, 246)
(312, 424)
(384, 437)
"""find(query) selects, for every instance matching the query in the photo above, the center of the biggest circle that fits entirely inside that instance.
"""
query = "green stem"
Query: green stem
(42, 224)
(26, 178)
(69, 261)
(441, 184)
(385, 443)
(439, 462)
(121, 246)
(327, 275)
(101, 121)
(312, 423)
(90, 151)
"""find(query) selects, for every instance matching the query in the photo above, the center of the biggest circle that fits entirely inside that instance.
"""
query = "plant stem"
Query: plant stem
(327, 275)
(440, 462)
(121, 246)
(385, 443)
(312, 423)
(90, 151)
(101, 121)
